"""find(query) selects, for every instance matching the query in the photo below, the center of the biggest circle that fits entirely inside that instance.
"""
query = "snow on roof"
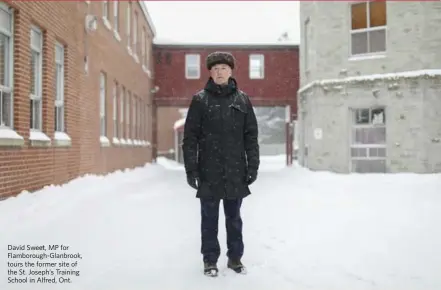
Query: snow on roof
(374, 77)
(171, 42)
(179, 123)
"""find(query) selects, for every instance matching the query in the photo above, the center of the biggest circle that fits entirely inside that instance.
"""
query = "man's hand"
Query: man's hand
(193, 180)
(251, 176)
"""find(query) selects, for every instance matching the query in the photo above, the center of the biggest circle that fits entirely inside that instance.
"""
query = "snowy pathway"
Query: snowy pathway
(302, 230)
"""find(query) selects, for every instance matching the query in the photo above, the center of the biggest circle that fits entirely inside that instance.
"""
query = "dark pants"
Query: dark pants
(210, 248)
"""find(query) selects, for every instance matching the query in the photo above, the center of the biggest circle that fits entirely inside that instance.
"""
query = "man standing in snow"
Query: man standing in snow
(221, 157)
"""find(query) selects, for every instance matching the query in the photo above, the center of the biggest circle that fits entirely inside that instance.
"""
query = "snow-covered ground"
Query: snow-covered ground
(139, 229)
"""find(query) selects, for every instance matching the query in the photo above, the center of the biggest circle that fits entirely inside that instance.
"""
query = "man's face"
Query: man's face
(220, 73)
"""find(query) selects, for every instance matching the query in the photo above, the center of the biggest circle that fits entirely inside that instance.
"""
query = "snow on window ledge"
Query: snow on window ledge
(367, 56)
(9, 137)
(116, 35)
(122, 141)
(104, 141)
(135, 56)
(129, 142)
(61, 139)
(129, 50)
(39, 139)
(107, 23)
(116, 141)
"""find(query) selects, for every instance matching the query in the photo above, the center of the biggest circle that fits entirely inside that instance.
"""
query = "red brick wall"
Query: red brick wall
(279, 86)
(281, 71)
(30, 168)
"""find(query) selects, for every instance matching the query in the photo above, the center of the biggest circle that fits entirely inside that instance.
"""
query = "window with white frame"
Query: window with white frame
(59, 87)
(368, 27)
(115, 110)
(257, 66)
(128, 99)
(121, 110)
(116, 15)
(103, 85)
(138, 116)
(368, 143)
(6, 48)
(36, 78)
(143, 51)
(192, 66)
(106, 9)
(135, 33)
(134, 124)
(129, 22)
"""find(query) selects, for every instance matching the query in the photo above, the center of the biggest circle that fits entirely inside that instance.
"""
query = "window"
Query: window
(103, 84)
(59, 87)
(256, 66)
(368, 146)
(6, 48)
(135, 33)
(115, 110)
(368, 27)
(36, 78)
(128, 99)
(116, 15)
(134, 124)
(121, 110)
(143, 44)
(192, 66)
(129, 22)
(106, 9)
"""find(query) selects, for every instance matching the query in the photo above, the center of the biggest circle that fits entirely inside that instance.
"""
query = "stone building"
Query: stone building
(370, 86)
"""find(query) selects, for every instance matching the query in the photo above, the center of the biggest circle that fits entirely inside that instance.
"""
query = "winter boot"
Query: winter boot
(236, 265)
(210, 269)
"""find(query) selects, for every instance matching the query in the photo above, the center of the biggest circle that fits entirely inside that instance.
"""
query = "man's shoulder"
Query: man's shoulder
(199, 95)
(244, 97)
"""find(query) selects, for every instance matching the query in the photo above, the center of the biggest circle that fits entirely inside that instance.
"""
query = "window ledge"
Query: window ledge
(61, 139)
(9, 137)
(39, 139)
(129, 50)
(107, 23)
(147, 71)
(135, 56)
(367, 56)
(116, 35)
(122, 142)
(116, 141)
(129, 142)
(104, 141)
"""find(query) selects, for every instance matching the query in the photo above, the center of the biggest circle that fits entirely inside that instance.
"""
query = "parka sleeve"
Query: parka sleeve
(192, 132)
(251, 135)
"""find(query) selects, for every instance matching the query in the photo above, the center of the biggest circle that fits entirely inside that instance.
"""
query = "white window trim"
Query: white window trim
(135, 36)
(115, 114)
(10, 68)
(188, 65)
(106, 16)
(59, 102)
(261, 59)
(121, 117)
(128, 123)
(9, 137)
(39, 95)
(368, 55)
(102, 112)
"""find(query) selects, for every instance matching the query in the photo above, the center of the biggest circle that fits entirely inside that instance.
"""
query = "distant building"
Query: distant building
(268, 73)
(370, 77)
(75, 82)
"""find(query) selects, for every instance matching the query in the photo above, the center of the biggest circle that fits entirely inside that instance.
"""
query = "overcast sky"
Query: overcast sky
(224, 21)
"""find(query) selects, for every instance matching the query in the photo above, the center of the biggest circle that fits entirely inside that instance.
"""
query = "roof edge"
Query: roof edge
(147, 16)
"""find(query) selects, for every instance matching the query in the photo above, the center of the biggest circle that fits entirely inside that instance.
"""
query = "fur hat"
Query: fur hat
(219, 57)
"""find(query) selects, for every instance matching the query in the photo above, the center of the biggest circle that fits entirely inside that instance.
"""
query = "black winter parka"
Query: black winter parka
(220, 142)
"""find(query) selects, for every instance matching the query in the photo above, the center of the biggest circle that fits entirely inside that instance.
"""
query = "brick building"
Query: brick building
(268, 73)
(75, 90)
(370, 94)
